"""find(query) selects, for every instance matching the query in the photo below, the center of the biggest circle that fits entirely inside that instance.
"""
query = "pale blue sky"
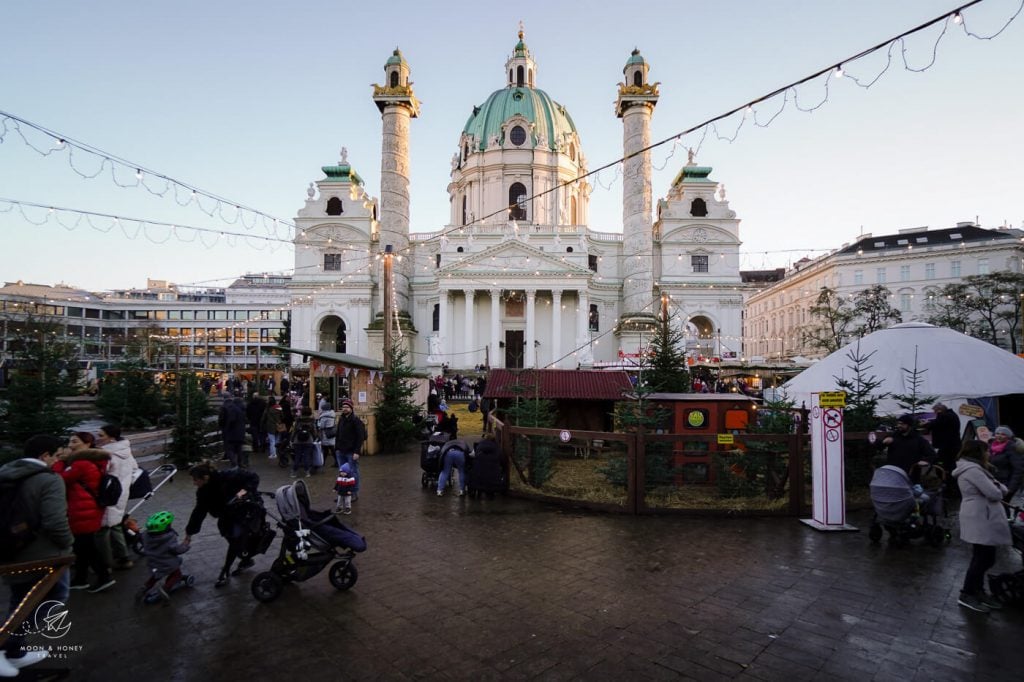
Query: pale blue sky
(249, 99)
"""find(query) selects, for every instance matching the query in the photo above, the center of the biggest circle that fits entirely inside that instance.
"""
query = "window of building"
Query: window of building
(437, 260)
(638, 78)
(858, 277)
(698, 208)
(465, 152)
(520, 76)
(240, 315)
(954, 268)
(904, 273)
(74, 312)
(220, 314)
(568, 249)
(332, 262)
(188, 315)
(517, 135)
(201, 315)
(394, 79)
(699, 263)
(879, 275)
(929, 270)
(158, 315)
(465, 212)
(594, 318)
(982, 268)
(905, 300)
(592, 262)
(334, 206)
(173, 314)
(436, 318)
(517, 200)
(460, 249)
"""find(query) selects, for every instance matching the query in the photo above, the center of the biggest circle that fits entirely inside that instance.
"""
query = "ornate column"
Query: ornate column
(584, 355)
(495, 358)
(442, 325)
(556, 326)
(531, 328)
(470, 357)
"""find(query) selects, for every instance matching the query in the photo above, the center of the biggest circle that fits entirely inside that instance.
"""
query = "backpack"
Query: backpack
(16, 528)
(330, 427)
(302, 435)
(108, 492)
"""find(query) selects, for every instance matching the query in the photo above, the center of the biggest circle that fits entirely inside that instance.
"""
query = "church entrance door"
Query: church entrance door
(514, 345)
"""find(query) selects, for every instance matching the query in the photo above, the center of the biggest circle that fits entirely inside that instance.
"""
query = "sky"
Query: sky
(247, 100)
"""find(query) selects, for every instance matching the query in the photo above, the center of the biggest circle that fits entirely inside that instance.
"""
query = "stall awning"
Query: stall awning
(342, 359)
(558, 384)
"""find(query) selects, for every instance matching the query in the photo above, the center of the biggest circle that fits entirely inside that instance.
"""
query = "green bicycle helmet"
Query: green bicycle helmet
(159, 522)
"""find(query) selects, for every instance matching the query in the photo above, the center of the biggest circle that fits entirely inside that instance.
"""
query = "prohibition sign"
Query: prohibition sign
(832, 418)
(816, 412)
(831, 435)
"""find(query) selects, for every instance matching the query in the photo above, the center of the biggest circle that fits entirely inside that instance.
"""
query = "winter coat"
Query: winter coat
(982, 516)
(81, 472)
(47, 507)
(307, 423)
(162, 551)
(271, 418)
(351, 434)
(213, 497)
(123, 465)
(946, 432)
(907, 450)
(326, 420)
(232, 421)
(487, 473)
(254, 412)
(1009, 465)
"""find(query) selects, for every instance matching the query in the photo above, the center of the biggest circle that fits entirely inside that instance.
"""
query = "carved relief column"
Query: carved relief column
(556, 326)
(531, 328)
(470, 357)
(495, 358)
(442, 325)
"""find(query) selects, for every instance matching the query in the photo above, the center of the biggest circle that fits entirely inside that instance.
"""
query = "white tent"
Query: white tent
(951, 366)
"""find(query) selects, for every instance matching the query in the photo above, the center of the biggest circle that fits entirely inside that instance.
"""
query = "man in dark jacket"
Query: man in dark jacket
(906, 446)
(40, 493)
(232, 429)
(215, 491)
(348, 443)
(946, 436)
(254, 412)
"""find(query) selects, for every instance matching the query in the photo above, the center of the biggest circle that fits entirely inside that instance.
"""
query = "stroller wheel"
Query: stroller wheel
(343, 575)
(267, 586)
(875, 534)
(190, 581)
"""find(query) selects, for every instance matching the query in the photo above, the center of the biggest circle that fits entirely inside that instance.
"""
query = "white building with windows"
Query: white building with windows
(912, 264)
(516, 278)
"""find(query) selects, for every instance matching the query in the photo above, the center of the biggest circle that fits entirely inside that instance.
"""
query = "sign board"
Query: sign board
(726, 439)
(832, 399)
(565, 436)
(827, 467)
(973, 411)
(362, 396)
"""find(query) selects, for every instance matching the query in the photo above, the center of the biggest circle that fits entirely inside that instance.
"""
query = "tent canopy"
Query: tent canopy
(951, 366)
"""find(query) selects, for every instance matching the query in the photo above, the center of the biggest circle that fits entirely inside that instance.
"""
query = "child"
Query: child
(344, 485)
(162, 549)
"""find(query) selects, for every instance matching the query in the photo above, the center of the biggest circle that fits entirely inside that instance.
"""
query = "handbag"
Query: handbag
(318, 458)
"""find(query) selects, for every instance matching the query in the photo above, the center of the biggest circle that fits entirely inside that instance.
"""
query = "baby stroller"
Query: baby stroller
(142, 489)
(311, 540)
(905, 510)
(1009, 587)
(430, 458)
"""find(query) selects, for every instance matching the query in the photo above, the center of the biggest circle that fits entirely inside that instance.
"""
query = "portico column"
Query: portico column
(582, 317)
(531, 327)
(495, 327)
(442, 325)
(556, 326)
(470, 357)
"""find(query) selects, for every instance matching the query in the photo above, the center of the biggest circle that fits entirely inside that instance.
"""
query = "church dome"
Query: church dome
(549, 118)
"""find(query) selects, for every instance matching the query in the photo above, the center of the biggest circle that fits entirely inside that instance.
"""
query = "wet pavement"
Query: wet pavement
(453, 588)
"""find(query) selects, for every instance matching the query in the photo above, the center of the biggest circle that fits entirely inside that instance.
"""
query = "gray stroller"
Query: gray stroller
(905, 510)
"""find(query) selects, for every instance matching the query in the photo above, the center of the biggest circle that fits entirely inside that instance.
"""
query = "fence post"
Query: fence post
(636, 455)
(796, 474)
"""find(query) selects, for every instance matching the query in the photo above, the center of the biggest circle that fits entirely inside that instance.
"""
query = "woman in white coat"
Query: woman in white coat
(122, 465)
(982, 522)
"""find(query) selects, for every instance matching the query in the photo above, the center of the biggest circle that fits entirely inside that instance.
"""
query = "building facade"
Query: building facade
(912, 264)
(516, 278)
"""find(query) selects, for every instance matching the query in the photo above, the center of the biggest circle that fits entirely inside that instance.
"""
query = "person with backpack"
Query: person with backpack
(83, 473)
(123, 466)
(327, 427)
(348, 442)
(303, 445)
(232, 427)
(33, 500)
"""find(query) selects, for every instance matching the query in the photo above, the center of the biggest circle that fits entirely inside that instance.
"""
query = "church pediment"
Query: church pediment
(339, 235)
(511, 258)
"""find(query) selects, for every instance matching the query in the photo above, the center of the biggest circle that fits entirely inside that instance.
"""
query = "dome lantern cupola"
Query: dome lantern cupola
(520, 67)
(635, 70)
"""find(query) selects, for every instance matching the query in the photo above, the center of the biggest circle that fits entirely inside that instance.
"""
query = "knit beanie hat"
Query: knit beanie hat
(1005, 431)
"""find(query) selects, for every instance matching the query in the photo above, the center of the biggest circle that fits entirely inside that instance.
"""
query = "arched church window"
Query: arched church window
(394, 79)
(698, 208)
(573, 217)
(334, 206)
(465, 213)
(517, 135)
(517, 201)
(638, 78)
(519, 76)
(436, 318)
(511, 77)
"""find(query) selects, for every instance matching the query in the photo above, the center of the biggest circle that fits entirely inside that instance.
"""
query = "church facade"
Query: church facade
(516, 278)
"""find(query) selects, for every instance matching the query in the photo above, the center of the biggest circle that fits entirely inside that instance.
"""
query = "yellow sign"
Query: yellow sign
(726, 439)
(974, 411)
(832, 399)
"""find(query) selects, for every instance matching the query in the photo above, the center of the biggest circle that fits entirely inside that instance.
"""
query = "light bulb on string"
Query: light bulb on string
(958, 18)
(838, 71)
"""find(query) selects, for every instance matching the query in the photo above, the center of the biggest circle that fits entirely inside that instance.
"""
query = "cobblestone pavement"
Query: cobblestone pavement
(452, 588)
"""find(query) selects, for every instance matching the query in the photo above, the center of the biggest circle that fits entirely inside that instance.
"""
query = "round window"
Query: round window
(517, 135)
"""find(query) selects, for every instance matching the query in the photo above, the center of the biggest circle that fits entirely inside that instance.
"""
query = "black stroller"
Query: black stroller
(904, 510)
(1009, 587)
(431, 461)
(312, 539)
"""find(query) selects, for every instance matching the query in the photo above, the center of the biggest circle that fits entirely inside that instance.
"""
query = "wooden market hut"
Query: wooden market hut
(584, 399)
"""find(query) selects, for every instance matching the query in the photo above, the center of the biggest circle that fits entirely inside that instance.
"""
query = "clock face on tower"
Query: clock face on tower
(700, 235)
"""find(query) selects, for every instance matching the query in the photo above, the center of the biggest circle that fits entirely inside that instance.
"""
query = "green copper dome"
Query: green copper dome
(395, 58)
(549, 118)
(635, 58)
